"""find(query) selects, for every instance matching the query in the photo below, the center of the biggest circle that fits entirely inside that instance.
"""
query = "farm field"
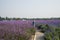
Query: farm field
(24, 29)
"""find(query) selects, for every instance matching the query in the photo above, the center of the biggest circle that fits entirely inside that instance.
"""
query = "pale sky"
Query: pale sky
(30, 8)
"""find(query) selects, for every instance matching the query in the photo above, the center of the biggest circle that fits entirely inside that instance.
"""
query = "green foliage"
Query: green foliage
(48, 36)
(31, 31)
(55, 34)
(43, 27)
(56, 38)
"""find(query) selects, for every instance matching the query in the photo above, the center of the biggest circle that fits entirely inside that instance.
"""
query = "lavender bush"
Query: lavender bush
(16, 30)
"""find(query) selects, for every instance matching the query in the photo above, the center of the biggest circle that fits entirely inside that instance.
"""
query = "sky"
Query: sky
(30, 8)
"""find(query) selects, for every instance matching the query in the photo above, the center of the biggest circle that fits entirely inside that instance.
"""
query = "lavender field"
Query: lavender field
(16, 30)
(21, 29)
(49, 22)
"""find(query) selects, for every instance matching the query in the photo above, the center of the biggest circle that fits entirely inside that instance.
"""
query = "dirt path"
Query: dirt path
(32, 37)
(39, 36)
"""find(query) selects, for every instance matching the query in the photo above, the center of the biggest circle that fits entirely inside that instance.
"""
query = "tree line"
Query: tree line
(7, 18)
